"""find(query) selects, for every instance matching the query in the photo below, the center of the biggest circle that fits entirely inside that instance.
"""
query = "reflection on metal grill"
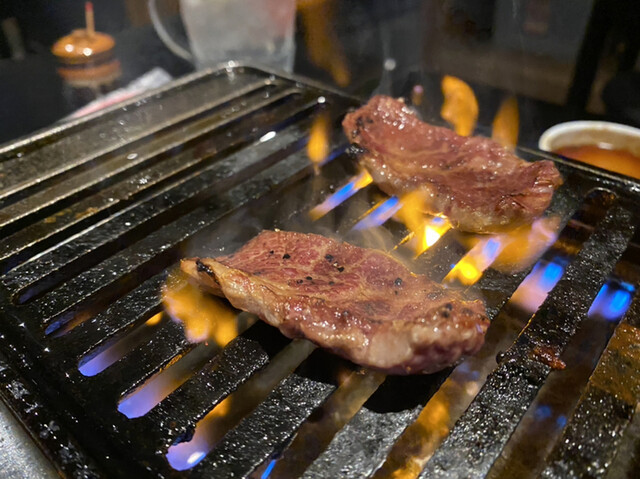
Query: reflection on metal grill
(94, 215)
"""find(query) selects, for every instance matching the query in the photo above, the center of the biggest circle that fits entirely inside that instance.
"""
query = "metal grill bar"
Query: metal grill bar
(111, 168)
(176, 416)
(314, 436)
(363, 444)
(69, 297)
(177, 156)
(164, 348)
(121, 316)
(266, 430)
(67, 152)
(594, 431)
(207, 165)
(70, 458)
(478, 437)
(524, 454)
(161, 207)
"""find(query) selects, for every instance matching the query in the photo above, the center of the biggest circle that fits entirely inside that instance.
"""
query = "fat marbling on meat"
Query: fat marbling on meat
(479, 185)
(359, 303)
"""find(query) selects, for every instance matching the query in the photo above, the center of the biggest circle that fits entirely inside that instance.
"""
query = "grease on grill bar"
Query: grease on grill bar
(93, 223)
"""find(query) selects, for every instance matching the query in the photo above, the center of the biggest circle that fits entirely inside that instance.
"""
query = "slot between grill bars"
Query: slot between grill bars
(97, 286)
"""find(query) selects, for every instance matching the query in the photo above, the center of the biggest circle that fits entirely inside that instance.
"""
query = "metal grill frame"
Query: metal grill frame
(74, 418)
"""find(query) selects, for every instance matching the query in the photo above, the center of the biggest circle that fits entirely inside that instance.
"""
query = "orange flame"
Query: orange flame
(470, 268)
(363, 179)
(414, 448)
(426, 230)
(507, 123)
(318, 147)
(323, 46)
(203, 316)
(460, 107)
(507, 252)
(153, 320)
(411, 213)
(525, 244)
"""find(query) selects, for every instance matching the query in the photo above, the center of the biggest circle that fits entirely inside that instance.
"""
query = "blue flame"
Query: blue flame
(613, 300)
(380, 214)
(268, 470)
(99, 362)
(543, 277)
(543, 411)
(195, 458)
(491, 248)
(344, 193)
(551, 274)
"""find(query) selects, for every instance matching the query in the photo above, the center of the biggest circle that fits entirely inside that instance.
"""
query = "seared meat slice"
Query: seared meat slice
(360, 303)
(479, 185)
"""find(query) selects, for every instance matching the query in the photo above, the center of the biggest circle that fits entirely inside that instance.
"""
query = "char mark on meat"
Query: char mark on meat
(359, 303)
(479, 185)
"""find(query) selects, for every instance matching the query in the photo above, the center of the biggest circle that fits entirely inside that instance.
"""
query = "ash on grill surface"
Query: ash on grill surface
(95, 214)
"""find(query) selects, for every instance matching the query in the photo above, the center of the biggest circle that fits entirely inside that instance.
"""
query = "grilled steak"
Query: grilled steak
(479, 185)
(360, 303)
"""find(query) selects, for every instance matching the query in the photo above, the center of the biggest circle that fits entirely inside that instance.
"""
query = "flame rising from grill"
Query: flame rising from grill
(354, 185)
(204, 317)
(319, 139)
(429, 429)
(470, 268)
(379, 213)
(425, 230)
(153, 320)
(460, 107)
(508, 252)
(524, 245)
(101, 361)
(229, 412)
(325, 50)
(506, 123)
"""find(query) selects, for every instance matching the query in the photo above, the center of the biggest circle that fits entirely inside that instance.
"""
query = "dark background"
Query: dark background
(564, 59)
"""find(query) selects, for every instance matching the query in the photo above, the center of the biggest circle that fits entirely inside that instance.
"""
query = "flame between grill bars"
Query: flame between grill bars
(94, 356)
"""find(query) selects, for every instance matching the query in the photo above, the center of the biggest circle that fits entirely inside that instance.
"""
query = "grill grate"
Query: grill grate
(94, 215)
